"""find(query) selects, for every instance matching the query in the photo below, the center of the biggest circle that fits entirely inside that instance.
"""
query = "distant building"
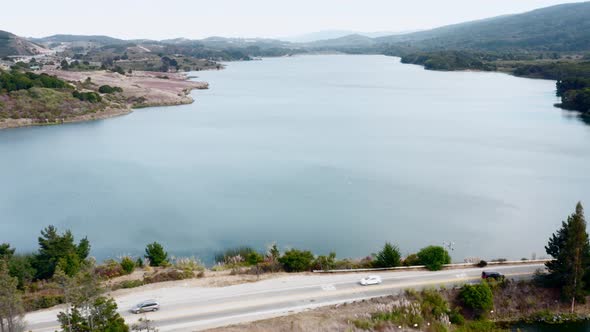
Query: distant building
(35, 67)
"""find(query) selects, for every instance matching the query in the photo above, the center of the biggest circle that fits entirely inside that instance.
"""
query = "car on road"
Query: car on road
(371, 280)
(492, 275)
(146, 306)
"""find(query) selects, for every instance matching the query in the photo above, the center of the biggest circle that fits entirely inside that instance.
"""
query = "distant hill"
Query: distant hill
(334, 34)
(558, 28)
(350, 41)
(103, 40)
(11, 44)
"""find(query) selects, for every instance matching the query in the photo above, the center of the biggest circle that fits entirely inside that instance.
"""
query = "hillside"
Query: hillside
(13, 45)
(561, 28)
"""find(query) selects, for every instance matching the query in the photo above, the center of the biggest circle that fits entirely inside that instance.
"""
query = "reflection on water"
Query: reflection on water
(319, 152)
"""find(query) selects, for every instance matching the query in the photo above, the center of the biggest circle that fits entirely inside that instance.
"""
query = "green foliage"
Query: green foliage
(235, 255)
(450, 60)
(127, 264)
(102, 317)
(109, 89)
(254, 258)
(478, 298)
(59, 250)
(21, 267)
(11, 307)
(389, 256)
(129, 284)
(325, 262)
(6, 252)
(296, 260)
(411, 260)
(156, 254)
(15, 80)
(434, 257)
(91, 97)
(570, 249)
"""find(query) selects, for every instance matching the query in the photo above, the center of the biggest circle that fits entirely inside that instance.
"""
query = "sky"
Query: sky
(157, 19)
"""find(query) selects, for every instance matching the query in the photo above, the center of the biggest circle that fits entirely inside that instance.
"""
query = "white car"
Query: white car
(146, 306)
(371, 280)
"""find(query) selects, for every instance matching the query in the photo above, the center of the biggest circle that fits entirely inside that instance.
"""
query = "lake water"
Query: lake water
(325, 153)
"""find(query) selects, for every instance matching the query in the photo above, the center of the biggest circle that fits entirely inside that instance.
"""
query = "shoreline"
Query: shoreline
(140, 90)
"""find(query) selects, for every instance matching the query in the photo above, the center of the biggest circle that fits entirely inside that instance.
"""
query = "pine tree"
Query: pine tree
(11, 309)
(570, 248)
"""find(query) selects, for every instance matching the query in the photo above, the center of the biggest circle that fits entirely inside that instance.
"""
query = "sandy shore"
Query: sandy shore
(140, 89)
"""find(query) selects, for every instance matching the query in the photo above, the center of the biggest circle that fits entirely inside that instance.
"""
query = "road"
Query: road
(186, 308)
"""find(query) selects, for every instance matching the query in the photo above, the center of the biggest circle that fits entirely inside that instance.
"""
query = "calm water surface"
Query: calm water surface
(321, 152)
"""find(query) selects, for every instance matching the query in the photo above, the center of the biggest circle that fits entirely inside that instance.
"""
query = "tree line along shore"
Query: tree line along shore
(61, 271)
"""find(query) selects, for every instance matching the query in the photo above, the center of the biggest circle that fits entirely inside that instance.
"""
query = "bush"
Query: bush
(482, 263)
(230, 255)
(411, 260)
(128, 265)
(456, 318)
(296, 260)
(434, 257)
(478, 297)
(254, 258)
(325, 263)
(110, 269)
(189, 264)
(37, 302)
(389, 256)
(169, 275)
(109, 89)
(156, 254)
(91, 97)
(128, 284)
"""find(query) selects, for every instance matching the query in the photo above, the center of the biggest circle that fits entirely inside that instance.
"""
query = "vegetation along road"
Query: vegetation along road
(196, 308)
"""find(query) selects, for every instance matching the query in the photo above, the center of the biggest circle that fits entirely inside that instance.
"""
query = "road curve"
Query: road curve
(185, 308)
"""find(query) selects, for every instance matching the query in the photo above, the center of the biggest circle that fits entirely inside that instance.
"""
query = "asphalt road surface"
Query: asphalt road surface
(185, 308)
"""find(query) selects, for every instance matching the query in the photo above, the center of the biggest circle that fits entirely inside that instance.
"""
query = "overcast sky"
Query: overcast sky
(161, 19)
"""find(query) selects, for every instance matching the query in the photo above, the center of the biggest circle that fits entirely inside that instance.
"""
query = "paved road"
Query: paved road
(185, 308)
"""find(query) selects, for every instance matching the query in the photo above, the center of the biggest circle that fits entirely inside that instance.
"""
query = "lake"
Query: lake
(329, 152)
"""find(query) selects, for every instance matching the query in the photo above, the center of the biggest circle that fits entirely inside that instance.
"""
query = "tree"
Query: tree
(156, 254)
(6, 252)
(434, 257)
(11, 309)
(325, 263)
(296, 260)
(55, 249)
(101, 316)
(389, 256)
(570, 249)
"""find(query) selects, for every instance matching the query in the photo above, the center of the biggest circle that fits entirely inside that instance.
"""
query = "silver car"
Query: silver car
(146, 306)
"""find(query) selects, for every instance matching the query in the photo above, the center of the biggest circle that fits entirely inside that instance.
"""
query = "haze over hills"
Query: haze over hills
(561, 28)
(558, 28)
(11, 44)
(335, 34)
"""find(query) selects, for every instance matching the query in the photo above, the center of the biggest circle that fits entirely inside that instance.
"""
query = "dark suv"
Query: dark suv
(492, 275)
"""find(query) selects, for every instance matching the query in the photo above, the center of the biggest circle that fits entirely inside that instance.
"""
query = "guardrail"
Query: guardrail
(445, 267)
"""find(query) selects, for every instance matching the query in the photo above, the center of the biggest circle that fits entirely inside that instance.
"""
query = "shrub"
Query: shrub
(156, 254)
(254, 258)
(434, 257)
(389, 256)
(190, 264)
(411, 260)
(433, 304)
(169, 275)
(482, 263)
(91, 97)
(110, 269)
(139, 263)
(296, 260)
(107, 89)
(127, 264)
(128, 284)
(325, 262)
(230, 254)
(37, 302)
(456, 318)
(478, 297)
